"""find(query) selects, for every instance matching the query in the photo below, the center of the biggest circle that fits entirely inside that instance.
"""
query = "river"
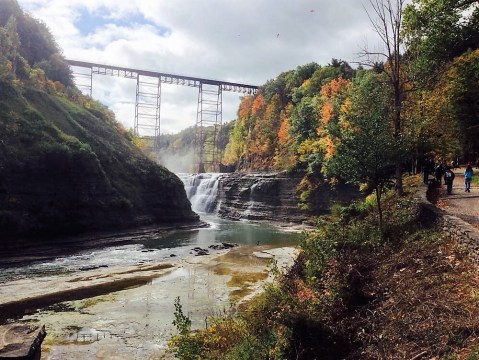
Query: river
(135, 323)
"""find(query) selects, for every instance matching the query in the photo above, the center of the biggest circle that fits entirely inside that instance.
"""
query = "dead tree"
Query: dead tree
(386, 19)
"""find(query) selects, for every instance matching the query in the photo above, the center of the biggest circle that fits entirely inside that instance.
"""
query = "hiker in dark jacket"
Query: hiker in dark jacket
(438, 172)
(448, 179)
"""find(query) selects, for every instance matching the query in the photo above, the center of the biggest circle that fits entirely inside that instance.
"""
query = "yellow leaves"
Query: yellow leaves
(139, 142)
(309, 146)
(324, 145)
(222, 334)
(345, 107)
(328, 146)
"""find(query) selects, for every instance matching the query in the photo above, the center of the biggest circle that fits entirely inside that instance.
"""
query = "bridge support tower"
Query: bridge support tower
(148, 101)
(147, 108)
(84, 79)
(207, 129)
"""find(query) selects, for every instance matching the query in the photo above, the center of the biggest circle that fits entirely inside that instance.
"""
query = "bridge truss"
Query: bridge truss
(148, 104)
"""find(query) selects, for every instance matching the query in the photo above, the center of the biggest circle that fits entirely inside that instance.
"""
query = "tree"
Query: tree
(435, 32)
(285, 157)
(387, 25)
(366, 152)
(236, 146)
(304, 120)
(9, 8)
(14, 41)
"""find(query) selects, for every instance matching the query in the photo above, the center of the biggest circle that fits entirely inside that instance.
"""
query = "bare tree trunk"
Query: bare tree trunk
(380, 210)
(387, 24)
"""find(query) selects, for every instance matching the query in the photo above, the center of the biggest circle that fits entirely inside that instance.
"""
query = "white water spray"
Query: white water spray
(201, 190)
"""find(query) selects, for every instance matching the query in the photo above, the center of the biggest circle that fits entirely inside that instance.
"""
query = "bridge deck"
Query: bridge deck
(164, 77)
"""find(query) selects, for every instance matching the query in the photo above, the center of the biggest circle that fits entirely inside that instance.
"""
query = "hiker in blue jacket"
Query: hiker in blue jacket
(468, 177)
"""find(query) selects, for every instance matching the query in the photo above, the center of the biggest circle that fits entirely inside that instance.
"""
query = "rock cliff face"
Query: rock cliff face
(270, 197)
(259, 197)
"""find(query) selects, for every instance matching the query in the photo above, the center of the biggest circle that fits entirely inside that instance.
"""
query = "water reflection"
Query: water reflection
(150, 248)
(220, 230)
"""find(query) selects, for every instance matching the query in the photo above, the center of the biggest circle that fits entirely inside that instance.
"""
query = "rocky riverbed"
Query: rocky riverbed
(131, 316)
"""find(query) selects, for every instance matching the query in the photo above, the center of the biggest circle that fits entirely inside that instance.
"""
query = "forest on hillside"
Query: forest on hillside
(371, 281)
(416, 101)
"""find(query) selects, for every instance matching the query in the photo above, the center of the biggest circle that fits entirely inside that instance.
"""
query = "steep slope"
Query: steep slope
(66, 169)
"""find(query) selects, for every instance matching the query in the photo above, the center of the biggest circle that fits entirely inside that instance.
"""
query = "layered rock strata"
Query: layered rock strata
(272, 197)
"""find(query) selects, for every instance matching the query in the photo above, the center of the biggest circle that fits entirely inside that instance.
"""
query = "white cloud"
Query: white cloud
(245, 41)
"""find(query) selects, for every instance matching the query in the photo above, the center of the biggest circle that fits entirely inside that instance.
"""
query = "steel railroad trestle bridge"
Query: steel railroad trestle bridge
(148, 104)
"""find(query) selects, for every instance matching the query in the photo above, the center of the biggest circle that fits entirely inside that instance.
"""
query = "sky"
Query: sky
(243, 41)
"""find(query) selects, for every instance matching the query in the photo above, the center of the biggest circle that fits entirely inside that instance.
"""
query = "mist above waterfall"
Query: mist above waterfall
(177, 163)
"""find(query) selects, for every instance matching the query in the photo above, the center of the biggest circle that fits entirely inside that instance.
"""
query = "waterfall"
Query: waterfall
(252, 202)
(201, 190)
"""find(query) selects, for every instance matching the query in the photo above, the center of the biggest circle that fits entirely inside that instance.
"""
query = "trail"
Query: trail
(464, 205)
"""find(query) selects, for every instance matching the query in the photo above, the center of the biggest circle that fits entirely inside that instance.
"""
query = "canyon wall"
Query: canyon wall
(271, 197)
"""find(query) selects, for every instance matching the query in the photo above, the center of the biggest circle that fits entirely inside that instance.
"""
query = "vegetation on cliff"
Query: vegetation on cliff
(299, 120)
(376, 279)
(354, 293)
(66, 165)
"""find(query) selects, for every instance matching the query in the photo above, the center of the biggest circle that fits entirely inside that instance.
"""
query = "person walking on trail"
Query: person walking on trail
(438, 171)
(468, 177)
(448, 179)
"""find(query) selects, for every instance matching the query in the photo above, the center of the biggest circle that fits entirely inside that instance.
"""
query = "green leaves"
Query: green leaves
(436, 31)
(181, 321)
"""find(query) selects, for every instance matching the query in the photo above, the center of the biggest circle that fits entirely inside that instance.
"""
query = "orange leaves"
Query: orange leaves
(334, 104)
(258, 104)
(284, 158)
(326, 112)
(245, 106)
(334, 87)
(332, 100)
(303, 292)
(283, 132)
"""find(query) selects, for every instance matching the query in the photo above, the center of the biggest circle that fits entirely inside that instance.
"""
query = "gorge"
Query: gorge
(272, 197)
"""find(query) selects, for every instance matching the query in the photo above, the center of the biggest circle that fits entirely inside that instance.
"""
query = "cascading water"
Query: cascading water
(252, 202)
(202, 190)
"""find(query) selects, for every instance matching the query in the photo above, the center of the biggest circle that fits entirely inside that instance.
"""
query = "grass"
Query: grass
(89, 302)
(243, 280)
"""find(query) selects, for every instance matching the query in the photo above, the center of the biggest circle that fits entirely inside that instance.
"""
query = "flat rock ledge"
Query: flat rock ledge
(21, 341)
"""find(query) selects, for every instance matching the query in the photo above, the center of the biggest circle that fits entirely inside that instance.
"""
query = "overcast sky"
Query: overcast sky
(244, 41)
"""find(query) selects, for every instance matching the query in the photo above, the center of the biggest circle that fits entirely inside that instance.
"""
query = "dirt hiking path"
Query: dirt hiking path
(464, 205)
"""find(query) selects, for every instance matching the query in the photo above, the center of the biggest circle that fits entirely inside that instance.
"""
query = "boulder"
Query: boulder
(21, 341)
